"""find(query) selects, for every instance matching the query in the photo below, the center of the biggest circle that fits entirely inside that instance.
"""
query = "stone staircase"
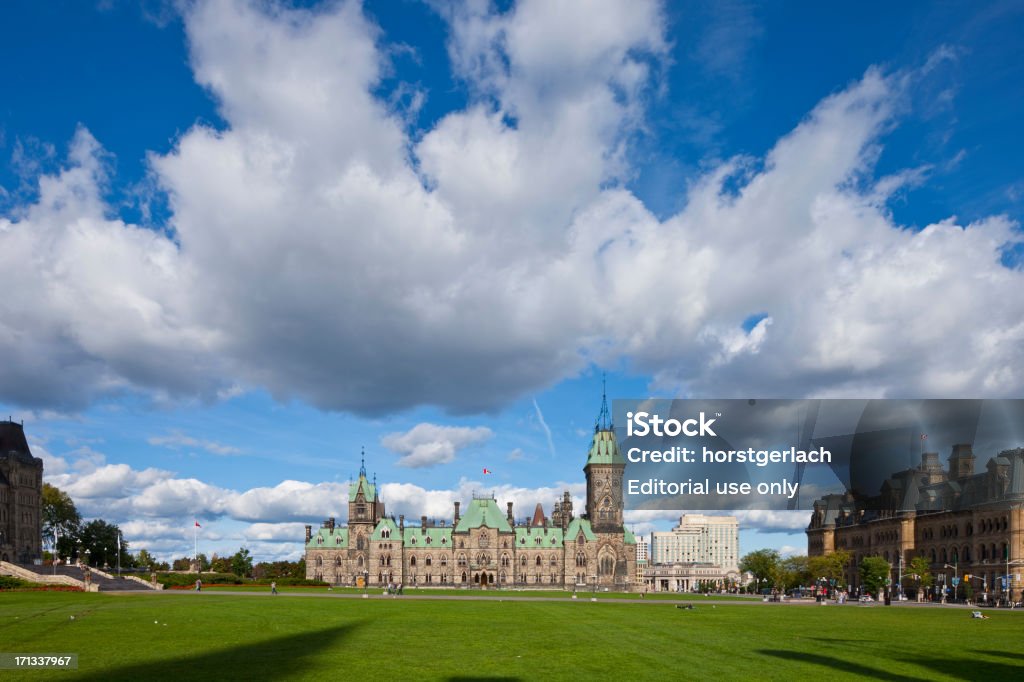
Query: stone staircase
(73, 575)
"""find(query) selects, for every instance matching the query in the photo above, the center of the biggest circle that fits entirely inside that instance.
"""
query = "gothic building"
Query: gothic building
(482, 545)
(21, 491)
(964, 523)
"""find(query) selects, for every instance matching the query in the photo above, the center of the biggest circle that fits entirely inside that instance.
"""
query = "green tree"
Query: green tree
(100, 539)
(794, 572)
(241, 562)
(763, 564)
(220, 564)
(874, 571)
(919, 570)
(831, 567)
(60, 518)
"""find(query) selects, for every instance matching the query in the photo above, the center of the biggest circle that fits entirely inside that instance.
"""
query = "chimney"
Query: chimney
(511, 521)
(309, 533)
(456, 522)
(401, 523)
(423, 525)
(330, 524)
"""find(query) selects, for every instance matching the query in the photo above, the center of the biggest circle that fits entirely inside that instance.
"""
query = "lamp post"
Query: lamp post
(956, 579)
(366, 582)
(87, 553)
(56, 553)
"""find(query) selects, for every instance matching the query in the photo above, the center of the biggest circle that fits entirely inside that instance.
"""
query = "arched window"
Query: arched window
(505, 561)
(319, 561)
(385, 533)
(462, 561)
(444, 560)
(359, 561)
(359, 542)
(337, 562)
(581, 559)
(522, 561)
(553, 561)
(538, 560)
(428, 561)
(412, 561)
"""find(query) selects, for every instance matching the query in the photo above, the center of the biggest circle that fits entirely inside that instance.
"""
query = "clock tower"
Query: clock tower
(604, 471)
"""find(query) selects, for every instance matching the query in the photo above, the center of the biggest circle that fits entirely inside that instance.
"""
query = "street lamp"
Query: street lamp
(366, 582)
(87, 553)
(956, 579)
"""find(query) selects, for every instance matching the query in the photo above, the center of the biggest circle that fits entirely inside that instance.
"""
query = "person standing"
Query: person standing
(273, 587)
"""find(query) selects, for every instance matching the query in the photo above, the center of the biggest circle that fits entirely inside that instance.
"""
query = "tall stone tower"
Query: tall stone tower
(604, 470)
(365, 509)
(21, 496)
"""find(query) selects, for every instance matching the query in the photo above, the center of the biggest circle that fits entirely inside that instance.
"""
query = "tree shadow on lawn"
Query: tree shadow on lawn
(963, 668)
(1004, 654)
(266, 659)
(837, 663)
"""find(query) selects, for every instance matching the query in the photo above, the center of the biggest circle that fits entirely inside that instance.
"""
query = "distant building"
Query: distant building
(699, 539)
(642, 550)
(21, 497)
(484, 546)
(972, 522)
(701, 551)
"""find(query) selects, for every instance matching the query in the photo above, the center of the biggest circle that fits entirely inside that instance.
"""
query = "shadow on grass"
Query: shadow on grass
(1004, 654)
(838, 664)
(974, 669)
(266, 659)
(486, 679)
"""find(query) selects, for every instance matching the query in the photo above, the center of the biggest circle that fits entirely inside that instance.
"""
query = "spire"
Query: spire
(362, 463)
(604, 417)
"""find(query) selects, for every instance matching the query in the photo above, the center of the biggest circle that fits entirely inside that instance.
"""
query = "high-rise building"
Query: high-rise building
(699, 539)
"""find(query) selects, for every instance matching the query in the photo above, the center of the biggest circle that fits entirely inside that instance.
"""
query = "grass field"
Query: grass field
(252, 636)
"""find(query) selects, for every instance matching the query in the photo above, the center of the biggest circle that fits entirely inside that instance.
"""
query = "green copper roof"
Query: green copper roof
(437, 537)
(604, 449)
(483, 513)
(535, 538)
(385, 523)
(575, 527)
(369, 491)
(324, 539)
(630, 539)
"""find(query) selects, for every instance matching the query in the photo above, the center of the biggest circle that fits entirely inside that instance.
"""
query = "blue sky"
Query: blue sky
(239, 242)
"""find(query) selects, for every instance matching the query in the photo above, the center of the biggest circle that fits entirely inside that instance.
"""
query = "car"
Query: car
(866, 598)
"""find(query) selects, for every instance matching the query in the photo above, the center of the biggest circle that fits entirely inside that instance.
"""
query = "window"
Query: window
(538, 560)
(444, 561)
(428, 560)
(412, 561)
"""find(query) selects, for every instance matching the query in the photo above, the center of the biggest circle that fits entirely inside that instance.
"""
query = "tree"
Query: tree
(241, 562)
(831, 567)
(919, 569)
(794, 572)
(100, 539)
(60, 518)
(762, 563)
(874, 572)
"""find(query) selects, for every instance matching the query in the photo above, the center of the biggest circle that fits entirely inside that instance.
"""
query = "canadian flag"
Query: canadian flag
(197, 525)
(486, 470)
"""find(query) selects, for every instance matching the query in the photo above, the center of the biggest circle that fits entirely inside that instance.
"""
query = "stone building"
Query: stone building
(21, 494)
(483, 545)
(964, 523)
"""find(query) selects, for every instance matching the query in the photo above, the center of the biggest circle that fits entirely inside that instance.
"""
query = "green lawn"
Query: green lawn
(235, 636)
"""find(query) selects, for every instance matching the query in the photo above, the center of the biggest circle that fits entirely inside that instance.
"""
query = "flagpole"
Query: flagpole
(195, 549)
